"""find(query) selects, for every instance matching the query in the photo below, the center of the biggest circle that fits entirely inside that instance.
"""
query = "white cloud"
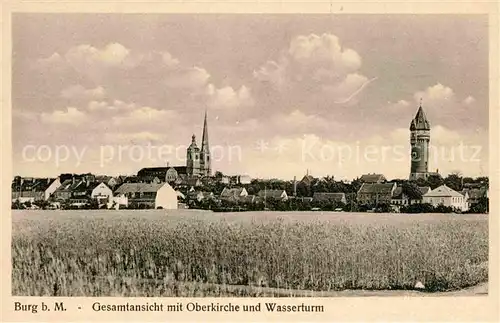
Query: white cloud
(469, 100)
(272, 72)
(150, 78)
(115, 106)
(442, 106)
(143, 116)
(55, 58)
(401, 105)
(134, 137)
(99, 106)
(83, 57)
(187, 78)
(387, 153)
(297, 120)
(324, 50)
(227, 97)
(169, 60)
(71, 116)
(316, 67)
(437, 94)
(441, 135)
(80, 93)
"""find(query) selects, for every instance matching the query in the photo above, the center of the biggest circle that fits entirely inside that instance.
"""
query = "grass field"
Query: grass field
(196, 253)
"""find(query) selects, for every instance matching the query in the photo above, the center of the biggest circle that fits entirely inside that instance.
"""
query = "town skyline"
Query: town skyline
(311, 79)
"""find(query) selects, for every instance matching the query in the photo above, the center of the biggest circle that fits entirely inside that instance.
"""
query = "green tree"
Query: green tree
(482, 206)
(454, 181)
(432, 181)
(411, 190)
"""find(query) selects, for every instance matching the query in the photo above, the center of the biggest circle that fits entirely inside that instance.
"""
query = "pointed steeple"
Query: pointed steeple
(204, 138)
(420, 121)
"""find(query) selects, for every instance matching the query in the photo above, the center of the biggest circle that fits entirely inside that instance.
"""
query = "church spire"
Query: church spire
(204, 139)
(206, 164)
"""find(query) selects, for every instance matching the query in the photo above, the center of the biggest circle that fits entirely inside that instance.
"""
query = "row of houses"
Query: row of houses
(391, 193)
(177, 176)
(83, 190)
(147, 190)
(240, 195)
(368, 194)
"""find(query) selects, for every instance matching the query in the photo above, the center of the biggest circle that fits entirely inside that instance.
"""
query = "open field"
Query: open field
(196, 253)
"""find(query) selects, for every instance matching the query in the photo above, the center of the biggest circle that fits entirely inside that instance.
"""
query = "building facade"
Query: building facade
(373, 178)
(102, 193)
(376, 193)
(151, 195)
(233, 194)
(443, 195)
(166, 198)
(279, 195)
(419, 139)
(329, 197)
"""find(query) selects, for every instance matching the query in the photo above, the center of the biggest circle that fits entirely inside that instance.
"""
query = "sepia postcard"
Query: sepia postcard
(250, 161)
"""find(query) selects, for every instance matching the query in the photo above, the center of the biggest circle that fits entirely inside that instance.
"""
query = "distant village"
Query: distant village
(194, 186)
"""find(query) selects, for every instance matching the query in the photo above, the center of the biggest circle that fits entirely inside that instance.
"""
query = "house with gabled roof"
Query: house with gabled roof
(81, 190)
(372, 178)
(475, 194)
(307, 179)
(199, 196)
(102, 193)
(444, 195)
(233, 194)
(149, 179)
(168, 173)
(329, 197)
(406, 195)
(80, 193)
(376, 193)
(102, 178)
(279, 195)
(148, 195)
(33, 189)
(63, 192)
(424, 189)
(113, 182)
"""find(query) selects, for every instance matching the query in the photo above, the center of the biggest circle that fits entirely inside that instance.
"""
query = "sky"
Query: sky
(284, 94)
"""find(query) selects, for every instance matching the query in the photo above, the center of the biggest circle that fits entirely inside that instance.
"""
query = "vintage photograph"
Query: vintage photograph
(250, 155)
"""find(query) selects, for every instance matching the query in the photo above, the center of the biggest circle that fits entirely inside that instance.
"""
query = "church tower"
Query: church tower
(205, 162)
(193, 158)
(419, 140)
